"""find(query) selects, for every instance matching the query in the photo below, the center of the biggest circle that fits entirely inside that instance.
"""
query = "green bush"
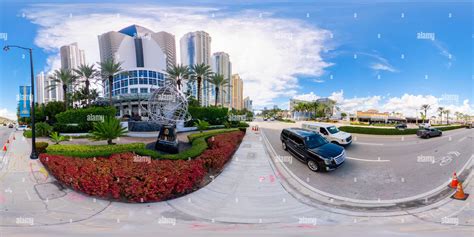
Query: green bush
(108, 130)
(43, 129)
(28, 134)
(41, 147)
(92, 150)
(201, 125)
(56, 138)
(198, 141)
(84, 115)
(388, 131)
(213, 115)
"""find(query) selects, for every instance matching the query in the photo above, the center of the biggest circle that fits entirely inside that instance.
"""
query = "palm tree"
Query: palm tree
(63, 77)
(87, 73)
(178, 73)
(441, 111)
(108, 69)
(218, 81)
(447, 111)
(425, 107)
(199, 73)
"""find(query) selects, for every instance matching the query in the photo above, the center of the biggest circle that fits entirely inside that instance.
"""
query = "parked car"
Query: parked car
(21, 127)
(10, 125)
(313, 149)
(330, 132)
(401, 126)
(428, 132)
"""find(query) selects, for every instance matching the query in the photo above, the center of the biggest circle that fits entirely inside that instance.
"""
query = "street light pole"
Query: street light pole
(33, 133)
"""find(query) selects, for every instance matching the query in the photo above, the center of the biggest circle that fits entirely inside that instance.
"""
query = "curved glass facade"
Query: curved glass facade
(136, 81)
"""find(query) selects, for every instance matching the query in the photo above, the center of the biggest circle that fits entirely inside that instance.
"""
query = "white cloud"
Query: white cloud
(307, 97)
(382, 67)
(266, 51)
(7, 114)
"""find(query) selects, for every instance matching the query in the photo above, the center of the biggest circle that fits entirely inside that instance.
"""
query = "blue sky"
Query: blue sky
(364, 55)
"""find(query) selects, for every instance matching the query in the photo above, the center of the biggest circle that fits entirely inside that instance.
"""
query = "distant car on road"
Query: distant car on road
(21, 128)
(10, 125)
(330, 132)
(265, 119)
(313, 149)
(401, 126)
(428, 132)
(272, 119)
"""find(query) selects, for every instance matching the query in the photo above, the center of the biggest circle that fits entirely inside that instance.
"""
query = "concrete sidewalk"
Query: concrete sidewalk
(247, 191)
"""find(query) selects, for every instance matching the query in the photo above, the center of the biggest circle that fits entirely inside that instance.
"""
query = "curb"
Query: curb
(309, 195)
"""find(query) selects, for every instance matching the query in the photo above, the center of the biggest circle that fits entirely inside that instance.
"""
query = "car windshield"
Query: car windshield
(333, 129)
(315, 141)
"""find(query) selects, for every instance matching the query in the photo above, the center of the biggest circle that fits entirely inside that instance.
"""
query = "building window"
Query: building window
(142, 73)
(152, 81)
(143, 81)
(161, 83)
(133, 81)
(124, 90)
(134, 90)
(143, 90)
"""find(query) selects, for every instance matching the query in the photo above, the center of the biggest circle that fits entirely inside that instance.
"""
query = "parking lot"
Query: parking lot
(381, 168)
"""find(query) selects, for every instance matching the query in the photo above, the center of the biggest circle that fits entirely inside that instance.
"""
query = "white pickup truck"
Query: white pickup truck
(330, 132)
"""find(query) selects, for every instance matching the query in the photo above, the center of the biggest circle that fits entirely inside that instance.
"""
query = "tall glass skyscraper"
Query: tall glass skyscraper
(195, 48)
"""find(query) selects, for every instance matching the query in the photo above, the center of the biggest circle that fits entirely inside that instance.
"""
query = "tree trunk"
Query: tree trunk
(109, 142)
(199, 89)
(217, 96)
(178, 82)
(65, 96)
(111, 82)
(87, 92)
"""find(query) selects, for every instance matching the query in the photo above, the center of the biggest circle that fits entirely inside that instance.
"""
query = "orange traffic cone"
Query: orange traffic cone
(454, 181)
(4, 147)
(460, 195)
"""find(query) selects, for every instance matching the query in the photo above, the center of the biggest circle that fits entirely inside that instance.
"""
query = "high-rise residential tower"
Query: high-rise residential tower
(221, 65)
(195, 48)
(237, 92)
(44, 93)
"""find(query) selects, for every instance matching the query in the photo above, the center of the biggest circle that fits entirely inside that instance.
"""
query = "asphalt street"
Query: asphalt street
(384, 167)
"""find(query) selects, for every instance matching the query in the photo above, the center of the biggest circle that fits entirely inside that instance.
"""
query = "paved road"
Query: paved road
(384, 167)
(32, 204)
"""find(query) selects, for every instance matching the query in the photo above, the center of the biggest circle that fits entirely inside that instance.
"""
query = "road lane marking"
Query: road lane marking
(462, 139)
(369, 144)
(368, 160)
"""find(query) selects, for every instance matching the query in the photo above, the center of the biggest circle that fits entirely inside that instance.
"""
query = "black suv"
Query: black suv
(312, 149)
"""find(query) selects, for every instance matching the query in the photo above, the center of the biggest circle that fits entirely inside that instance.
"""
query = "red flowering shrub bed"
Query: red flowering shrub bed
(129, 177)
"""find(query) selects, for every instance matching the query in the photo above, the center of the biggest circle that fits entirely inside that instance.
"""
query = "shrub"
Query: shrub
(221, 149)
(41, 147)
(53, 108)
(201, 125)
(28, 134)
(83, 115)
(79, 128)
(86, 151)
(120, 177)
(42, 129)
(108, 130)
(56, 138)
(213, 115)
(388, 131)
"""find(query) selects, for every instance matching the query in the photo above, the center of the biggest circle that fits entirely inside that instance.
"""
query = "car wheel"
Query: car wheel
(313, 165)
(283, 144)
(427, 136)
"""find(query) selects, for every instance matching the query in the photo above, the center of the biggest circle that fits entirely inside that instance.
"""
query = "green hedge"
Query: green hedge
(388, 131)
(81, 115)
(198, 141)
(85, 151)
(213, 115)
